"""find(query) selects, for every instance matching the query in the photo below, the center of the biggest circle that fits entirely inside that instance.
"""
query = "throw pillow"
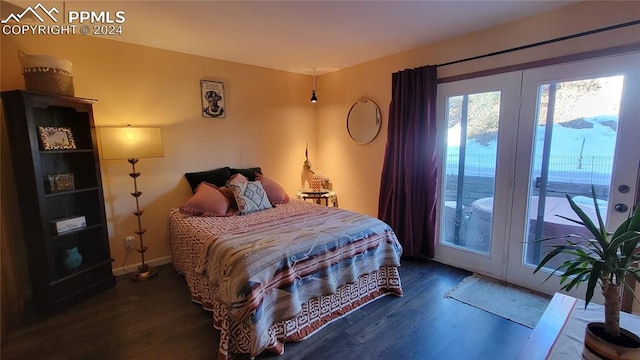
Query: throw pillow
(237, 178)
(249, 173)
(250, 196)
(217, 177)
(275, 192)
(228, 193)
(207, 201)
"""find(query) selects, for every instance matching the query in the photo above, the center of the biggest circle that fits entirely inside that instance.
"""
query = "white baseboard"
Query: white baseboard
(119, 271)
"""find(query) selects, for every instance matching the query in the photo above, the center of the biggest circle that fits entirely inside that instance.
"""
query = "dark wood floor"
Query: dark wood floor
(157, 320)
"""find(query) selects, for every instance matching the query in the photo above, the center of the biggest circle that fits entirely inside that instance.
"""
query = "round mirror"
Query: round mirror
(363, 121)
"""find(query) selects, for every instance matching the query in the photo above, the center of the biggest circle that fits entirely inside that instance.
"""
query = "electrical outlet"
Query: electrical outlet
(130, 242)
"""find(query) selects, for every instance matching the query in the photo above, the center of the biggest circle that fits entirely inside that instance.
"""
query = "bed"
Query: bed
(282, 273)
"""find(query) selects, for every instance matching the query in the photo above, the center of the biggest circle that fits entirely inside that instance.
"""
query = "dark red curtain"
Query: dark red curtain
(408, 193)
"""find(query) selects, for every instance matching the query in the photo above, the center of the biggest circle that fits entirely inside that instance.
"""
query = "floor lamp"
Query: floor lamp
(133, 143)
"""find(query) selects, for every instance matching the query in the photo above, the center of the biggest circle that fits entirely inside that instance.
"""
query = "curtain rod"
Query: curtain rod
(545, 42)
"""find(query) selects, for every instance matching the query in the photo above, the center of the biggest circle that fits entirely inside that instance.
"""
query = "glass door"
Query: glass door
(579, 128)
(480, 116)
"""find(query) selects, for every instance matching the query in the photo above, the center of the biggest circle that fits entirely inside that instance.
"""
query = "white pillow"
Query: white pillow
(250, 196)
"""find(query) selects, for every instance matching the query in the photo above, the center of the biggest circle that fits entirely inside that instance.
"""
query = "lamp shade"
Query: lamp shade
(130, 142)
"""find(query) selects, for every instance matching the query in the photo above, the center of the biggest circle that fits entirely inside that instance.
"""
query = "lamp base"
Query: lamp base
(143, 273)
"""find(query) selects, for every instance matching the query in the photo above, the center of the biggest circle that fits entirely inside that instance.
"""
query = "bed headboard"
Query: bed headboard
(220, 176)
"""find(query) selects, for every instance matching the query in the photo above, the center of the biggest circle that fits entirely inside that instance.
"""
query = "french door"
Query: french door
(480, 116)
(559, 130)
(580, 128)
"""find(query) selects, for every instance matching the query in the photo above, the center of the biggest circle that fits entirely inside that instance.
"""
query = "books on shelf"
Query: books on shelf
(65, 225)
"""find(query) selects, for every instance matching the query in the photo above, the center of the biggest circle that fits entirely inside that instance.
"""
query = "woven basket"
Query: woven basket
(46, 73)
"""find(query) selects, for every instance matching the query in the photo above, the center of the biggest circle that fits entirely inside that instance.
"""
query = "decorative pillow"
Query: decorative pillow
(217, 177)
(228, 193)
(275, 192)
(237, 178)
(207, 201)
(250, 196)
(249, 173)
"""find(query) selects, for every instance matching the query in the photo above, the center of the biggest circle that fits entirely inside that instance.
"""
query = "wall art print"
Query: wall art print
(212, 94)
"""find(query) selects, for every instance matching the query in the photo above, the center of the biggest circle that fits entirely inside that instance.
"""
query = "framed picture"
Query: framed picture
(212, 94)
(61, 182)
(56, 138)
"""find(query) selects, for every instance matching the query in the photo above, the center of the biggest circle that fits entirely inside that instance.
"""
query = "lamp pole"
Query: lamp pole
(144, 271)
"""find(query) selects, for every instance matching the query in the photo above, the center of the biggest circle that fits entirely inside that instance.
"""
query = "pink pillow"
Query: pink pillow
(228, 193)
(275, 192)
(237, 178)
(207, 201)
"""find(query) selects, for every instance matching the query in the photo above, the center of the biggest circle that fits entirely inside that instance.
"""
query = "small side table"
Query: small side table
(559, 334)
(319, 196)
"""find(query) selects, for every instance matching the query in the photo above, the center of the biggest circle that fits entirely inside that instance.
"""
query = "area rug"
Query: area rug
(511, 302)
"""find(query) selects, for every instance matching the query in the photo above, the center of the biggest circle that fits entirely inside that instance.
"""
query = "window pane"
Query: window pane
(470, 166)
(576, 132)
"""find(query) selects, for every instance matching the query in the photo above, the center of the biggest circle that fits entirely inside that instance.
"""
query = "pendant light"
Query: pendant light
(314, 99)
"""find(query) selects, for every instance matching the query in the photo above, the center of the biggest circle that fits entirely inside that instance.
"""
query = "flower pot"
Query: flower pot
(598, 347)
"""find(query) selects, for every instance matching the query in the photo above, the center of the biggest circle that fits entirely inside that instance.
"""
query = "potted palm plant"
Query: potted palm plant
(605, 259)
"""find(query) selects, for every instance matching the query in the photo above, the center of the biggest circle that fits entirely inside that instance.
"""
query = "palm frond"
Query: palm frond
(557, 249)
(626, 243)
(624, 227)
(631, 244)
(603, 230)
(634, 224)
(596, 271)
(599, 235)
(575, 280)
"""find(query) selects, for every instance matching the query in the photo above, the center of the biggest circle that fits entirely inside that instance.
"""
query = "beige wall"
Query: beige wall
(269, 120)
(269, 117)
(355, 170)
